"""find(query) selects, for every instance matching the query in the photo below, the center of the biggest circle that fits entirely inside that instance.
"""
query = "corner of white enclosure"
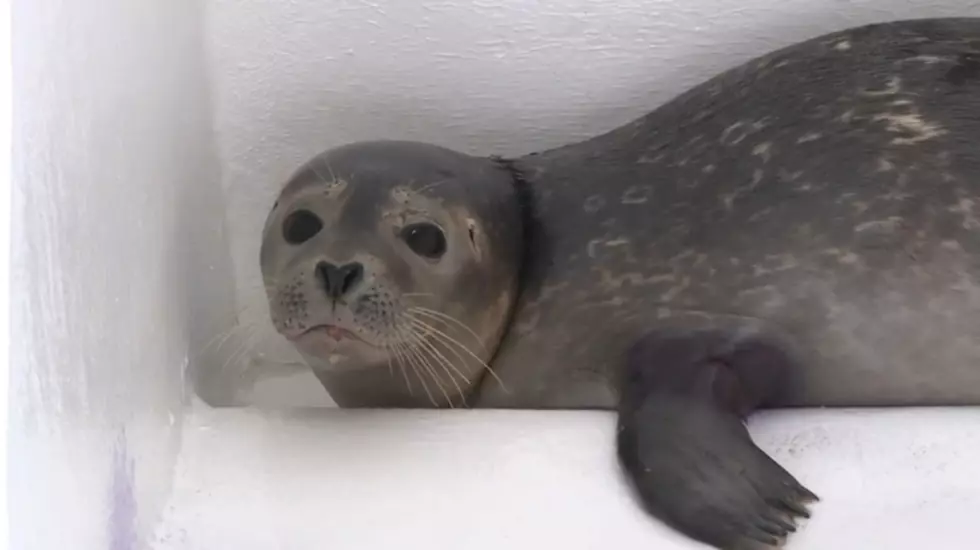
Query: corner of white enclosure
(119, 263)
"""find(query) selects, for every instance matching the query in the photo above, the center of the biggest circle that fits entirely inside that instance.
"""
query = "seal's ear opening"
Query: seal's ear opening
(475, 238)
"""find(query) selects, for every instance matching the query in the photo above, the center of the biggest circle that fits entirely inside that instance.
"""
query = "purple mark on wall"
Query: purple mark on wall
(122, 501)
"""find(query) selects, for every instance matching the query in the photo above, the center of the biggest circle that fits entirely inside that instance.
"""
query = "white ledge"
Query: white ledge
(492, 480)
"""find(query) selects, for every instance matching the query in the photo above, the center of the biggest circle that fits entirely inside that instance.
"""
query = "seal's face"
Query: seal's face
(395, 255)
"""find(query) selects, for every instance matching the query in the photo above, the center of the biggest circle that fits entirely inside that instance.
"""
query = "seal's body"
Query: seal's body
(803, 230)
(830, 191)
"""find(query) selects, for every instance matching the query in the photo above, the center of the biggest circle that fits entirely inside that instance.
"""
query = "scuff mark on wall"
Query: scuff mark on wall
(122, 499)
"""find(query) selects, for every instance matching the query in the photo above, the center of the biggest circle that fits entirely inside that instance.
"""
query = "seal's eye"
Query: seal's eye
(301, 226)
(425, 239)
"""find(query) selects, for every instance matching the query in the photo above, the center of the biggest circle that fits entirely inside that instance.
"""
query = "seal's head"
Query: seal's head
(392, 267)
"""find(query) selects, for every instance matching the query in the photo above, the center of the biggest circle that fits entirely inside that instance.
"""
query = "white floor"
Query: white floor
(337, 480)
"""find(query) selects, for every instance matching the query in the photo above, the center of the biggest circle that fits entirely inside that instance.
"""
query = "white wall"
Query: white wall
(5, 146)
(291, 78)
(119, 265)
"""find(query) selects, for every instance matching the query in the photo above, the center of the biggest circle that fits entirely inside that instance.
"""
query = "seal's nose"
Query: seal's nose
(338, 281)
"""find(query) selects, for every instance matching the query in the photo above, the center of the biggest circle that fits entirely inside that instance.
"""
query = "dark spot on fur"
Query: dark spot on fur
(967, 68)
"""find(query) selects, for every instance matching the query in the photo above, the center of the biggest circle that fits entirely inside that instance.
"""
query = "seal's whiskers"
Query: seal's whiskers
(429, 369)
(333, 176)
(248, 332)
(447, 366)
(266, 286)
(431, 313)
(420, 329)
(393, 350)
(223, 336)
(412, 355)
(447, 340)
(246, 345)
(415, 369)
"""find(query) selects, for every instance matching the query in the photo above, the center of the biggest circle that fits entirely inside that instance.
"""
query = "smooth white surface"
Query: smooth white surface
(486, 480)
(6, 86)
(115, 203)
(509, 76)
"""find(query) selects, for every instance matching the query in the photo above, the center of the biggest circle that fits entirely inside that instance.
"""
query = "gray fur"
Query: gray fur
(827, 194)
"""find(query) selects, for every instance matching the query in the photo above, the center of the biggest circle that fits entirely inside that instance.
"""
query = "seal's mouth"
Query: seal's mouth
(333, 332)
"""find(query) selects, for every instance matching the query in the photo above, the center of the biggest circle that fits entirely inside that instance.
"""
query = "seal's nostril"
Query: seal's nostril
(352, 273)
(338, 281)
(326, 275)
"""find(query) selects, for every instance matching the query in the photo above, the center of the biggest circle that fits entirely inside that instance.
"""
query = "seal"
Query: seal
(802, 230)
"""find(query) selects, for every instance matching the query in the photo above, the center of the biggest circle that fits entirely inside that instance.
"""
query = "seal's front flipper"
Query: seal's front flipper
(683, 442)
